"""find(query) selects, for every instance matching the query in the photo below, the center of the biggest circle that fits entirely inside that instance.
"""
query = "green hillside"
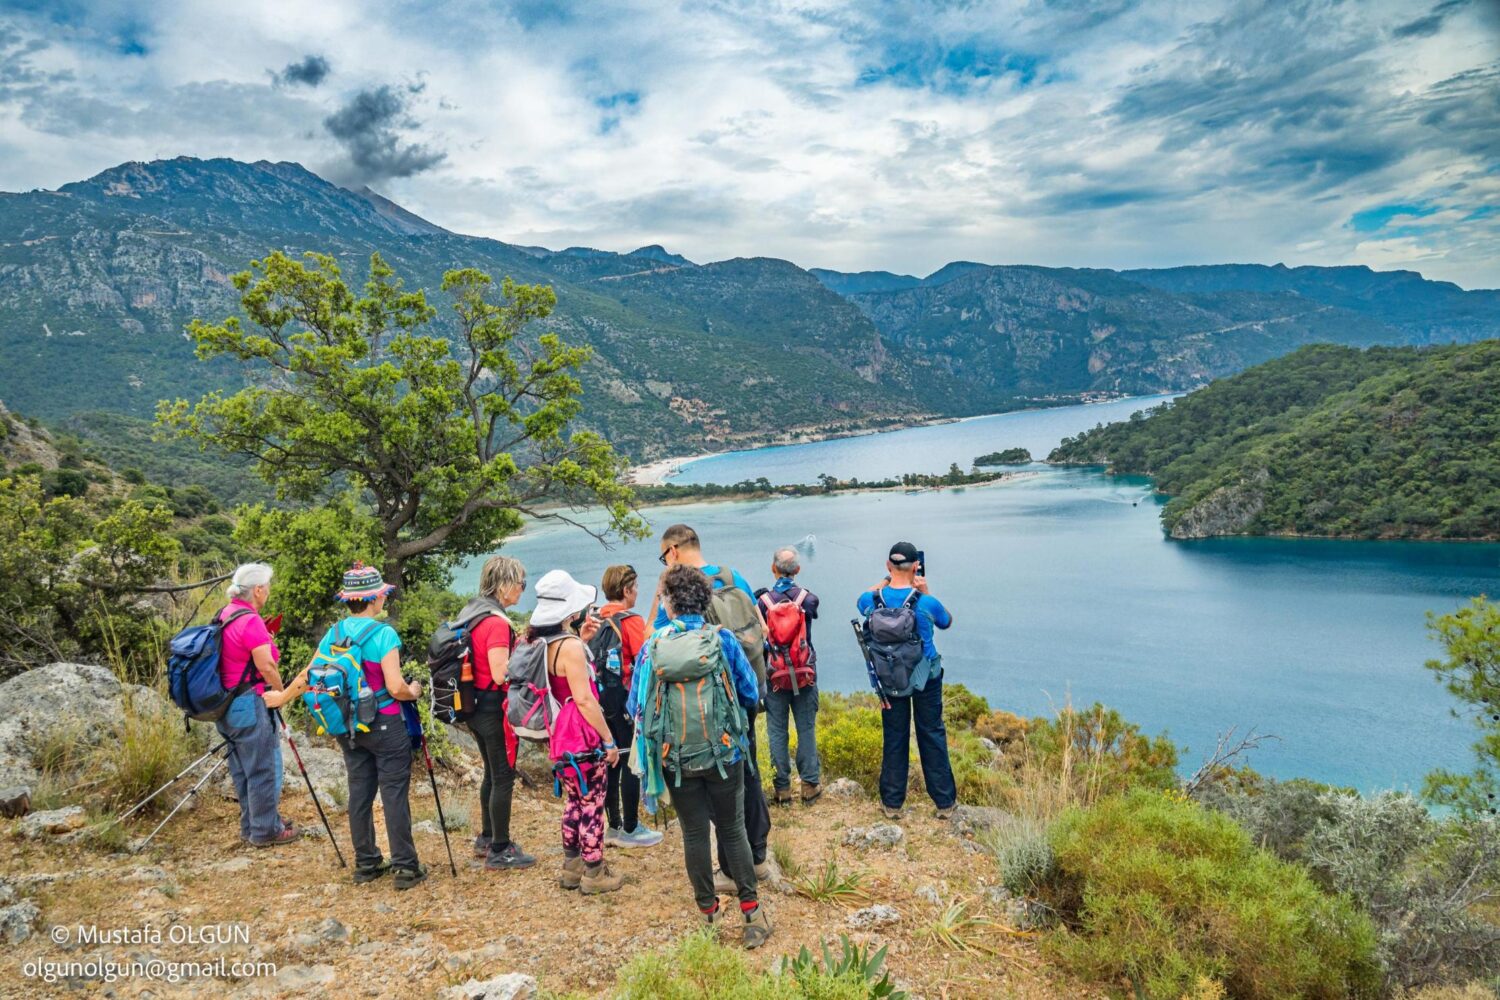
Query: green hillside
(1382, 443)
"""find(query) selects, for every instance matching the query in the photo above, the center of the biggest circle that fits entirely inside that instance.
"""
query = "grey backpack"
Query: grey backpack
(530, 705)
(894, 643)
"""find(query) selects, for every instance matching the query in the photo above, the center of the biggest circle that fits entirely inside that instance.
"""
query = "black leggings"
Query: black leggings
(488, 727)
(624, 787)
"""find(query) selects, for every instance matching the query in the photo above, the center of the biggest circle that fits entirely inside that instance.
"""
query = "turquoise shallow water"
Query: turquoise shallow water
(1062, 586)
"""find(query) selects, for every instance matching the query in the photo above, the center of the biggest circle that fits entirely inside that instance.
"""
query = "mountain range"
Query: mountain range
(98, 278)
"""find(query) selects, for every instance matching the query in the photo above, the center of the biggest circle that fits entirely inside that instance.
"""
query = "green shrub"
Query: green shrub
(962, 707)
(979, 781)
(1278, 815)
(700, 968)
(1106, 752)
(1023, 853)
(150, 747)
(850, 744)
(1161, 892)
(852, 964)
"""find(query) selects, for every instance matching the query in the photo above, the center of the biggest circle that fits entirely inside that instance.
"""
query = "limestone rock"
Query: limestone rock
(324, 932)
(970, 820)
(325, 766)
(15, 801)
(52, 823)
(301, 977)
(511, 986)
(844, 788)
(879, 915)
(879, 835)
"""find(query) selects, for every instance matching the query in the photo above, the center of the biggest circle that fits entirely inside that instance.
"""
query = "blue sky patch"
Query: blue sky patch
(1374, 219)
(955, 69)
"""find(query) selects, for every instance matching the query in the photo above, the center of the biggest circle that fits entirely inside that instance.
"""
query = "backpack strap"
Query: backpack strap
(879, 595)
(912, 599)
(225, 623)
(766, 602)
(383, 697)
(801, 596)
(725, 576)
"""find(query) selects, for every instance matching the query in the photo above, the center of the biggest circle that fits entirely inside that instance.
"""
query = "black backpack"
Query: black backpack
(450, 667)
(611, 673)
(894, 643)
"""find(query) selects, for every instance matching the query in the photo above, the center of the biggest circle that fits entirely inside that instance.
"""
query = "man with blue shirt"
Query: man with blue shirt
(922, 701)
(680, 547)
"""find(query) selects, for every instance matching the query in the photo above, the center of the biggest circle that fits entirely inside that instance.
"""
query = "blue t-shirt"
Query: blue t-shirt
(711, 572)
(375, 638)
(930, 613)
(746, 687)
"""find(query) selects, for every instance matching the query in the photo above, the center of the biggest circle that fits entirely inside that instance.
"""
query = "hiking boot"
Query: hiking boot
(757, 927)
(713, 917)
(369, 873)
(641, 836)
(783, 796)
(406, 878)
(724, 885)
(286, 836)
(811, 792)
(572, 873)
(481, 846)
(891, 812)
(509, 856)
(599, 878)
(946, 812)
(767, 871)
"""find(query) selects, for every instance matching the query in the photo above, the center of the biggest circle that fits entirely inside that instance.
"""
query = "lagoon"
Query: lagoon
(1063, 587)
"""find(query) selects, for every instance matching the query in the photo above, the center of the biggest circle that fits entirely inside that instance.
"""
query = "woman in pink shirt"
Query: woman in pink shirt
(249, 651)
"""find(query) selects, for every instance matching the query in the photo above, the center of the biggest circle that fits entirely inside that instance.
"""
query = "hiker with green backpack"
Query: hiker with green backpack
(352, 689)
(693, 691)
(733, 607)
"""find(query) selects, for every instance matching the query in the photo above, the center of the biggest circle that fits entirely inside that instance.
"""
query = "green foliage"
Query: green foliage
(762, 487)
(1162, 892)
(71, 578)
(1389, 443)
(1009, 456)
(852, 961)
(149, 748)
(700, 968)
(1278, 815)
(831, 884)
(962, 707)
(449, 450)
(1470, 669)
(1023, 852)
(1112, 755)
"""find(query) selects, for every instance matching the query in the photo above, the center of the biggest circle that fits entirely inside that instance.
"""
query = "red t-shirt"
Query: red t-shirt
(493, 632)
(632, 637)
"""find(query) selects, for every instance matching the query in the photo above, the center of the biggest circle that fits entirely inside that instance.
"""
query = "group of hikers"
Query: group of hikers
(633, 714)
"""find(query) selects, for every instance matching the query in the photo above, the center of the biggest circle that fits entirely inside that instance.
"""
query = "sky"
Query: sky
(893, 135)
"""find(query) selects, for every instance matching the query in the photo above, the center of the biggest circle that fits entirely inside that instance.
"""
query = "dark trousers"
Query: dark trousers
(757, 812)
(704, 798)
(803, 709)
(499, 780)
(380, 761)
(925, 707)
(622, 800)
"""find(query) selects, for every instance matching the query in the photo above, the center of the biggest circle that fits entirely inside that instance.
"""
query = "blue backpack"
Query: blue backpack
(339, 696)
(193, 680)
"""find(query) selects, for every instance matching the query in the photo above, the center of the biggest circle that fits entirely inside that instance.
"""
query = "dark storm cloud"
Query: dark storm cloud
(309, 72)
(369, 128)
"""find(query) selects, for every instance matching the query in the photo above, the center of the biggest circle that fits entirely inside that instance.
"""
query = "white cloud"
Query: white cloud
(896, 135)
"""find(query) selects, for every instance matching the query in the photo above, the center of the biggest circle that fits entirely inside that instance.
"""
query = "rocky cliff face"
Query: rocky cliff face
(1228, 510)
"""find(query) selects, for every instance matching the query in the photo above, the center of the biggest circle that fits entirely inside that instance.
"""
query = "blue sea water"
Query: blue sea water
(1063, 588)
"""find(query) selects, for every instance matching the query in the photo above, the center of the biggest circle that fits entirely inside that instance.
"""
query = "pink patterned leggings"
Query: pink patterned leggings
(583, 814)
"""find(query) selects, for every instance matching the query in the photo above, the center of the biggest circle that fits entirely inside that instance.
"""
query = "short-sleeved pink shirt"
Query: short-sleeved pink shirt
(243, 636)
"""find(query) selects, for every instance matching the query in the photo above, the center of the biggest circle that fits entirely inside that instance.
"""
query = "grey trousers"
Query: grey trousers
(702, 799)
(380, 761)
(254, 766)
(803, 709)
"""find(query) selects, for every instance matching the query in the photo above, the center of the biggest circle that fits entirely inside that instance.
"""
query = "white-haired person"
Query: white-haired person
(250, 654)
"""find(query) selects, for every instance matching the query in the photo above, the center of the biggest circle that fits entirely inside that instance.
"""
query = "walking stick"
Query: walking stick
(192, 792)
(442, 822)
(141, 804)
(310, 790)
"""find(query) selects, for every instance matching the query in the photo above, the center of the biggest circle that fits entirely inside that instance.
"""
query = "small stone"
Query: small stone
(426, 826)
(929, 894)
(844, 788)
(53, 822)
(971, 820)
(991, 746)
(511, 986)
(301, 977)
(15, 801)
(326, 931)
(879, 915)
(18, 920)
(151, 873)
(879, 835)
(383, 908)
(997, 895)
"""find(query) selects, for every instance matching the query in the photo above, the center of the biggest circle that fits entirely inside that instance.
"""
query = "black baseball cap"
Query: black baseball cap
(903, 554)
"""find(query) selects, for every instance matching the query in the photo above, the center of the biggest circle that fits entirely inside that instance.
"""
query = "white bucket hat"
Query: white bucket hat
(560, 597)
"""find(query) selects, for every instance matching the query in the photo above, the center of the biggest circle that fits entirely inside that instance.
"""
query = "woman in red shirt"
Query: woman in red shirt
(621, 590)
(501, 584)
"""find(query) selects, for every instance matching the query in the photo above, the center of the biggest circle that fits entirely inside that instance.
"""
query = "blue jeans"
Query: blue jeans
(925, 707)
(803, 708)
(254, 766)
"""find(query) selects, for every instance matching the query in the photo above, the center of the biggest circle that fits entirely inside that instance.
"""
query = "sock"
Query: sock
(712, 909)
(748, 908)
(594, 866)
(570, 853)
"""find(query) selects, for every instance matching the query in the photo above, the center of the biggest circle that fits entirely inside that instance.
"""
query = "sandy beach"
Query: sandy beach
(658, 472)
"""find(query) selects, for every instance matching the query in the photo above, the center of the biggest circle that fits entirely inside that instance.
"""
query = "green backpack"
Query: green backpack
(733, 609)
(692, 717)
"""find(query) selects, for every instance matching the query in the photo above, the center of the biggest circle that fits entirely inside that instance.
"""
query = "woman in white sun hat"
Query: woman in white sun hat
(580, 740)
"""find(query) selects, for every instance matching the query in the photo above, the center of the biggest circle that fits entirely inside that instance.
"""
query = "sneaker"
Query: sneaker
(509, 856)
(714, 917)
(757, 927)
(572, 873)
(783, 796)
(641, 836)
(767, 871)
(811, 792)
(891, 812)
(369, 873)
(946, 812)
(286, 836)
(406, 878)
(724, 885)
(481, 846)
(599, 878)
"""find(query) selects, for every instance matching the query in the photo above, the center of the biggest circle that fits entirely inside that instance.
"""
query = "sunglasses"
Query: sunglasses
(663, 557)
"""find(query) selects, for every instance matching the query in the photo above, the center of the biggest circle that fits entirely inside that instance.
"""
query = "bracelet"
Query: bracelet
(610, 745)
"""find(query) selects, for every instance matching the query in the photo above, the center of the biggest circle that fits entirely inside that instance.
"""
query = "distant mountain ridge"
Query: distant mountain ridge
(98, 278)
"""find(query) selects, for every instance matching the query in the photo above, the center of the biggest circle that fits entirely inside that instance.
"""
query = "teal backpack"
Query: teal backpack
(339, 697)
(692, 717)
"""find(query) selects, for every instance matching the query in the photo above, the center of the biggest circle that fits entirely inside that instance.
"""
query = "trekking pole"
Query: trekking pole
(141, 804)
(191, 793)
(287, 730)
(442, 821)
(859, 639)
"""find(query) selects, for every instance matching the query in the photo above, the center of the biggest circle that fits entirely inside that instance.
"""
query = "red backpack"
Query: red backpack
(790, 656)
